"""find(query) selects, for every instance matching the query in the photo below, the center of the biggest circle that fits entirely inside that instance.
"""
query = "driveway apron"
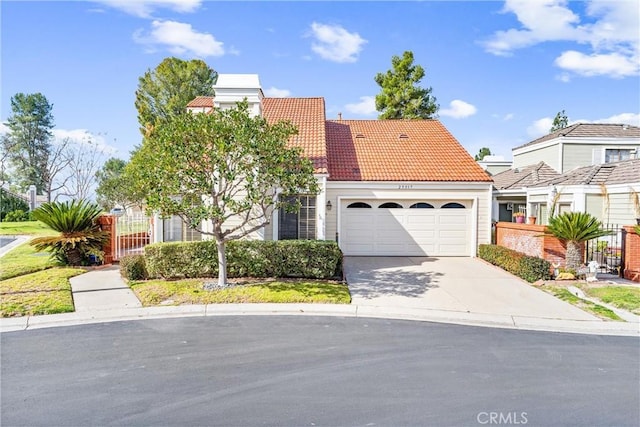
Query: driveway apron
(452, 284)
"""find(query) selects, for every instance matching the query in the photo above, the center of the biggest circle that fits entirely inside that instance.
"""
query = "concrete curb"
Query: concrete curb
(356, 311)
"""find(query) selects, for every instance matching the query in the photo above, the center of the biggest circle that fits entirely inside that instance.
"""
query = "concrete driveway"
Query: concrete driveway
(451, 284)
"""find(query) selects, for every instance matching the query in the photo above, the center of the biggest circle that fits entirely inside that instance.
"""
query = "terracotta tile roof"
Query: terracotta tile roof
(528, 176)
(309, 116)
(397, 150)
(201, 102)
(590, 130)
(625, 172)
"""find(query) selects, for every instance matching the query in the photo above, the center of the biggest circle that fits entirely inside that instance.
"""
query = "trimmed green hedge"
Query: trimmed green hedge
(527, 267)
(134, 267)
(313, 259)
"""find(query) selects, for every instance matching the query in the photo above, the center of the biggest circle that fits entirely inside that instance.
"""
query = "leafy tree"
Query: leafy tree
(221, 169)
(165, 91)
(559, 122)
(27, 145)
(80, 235)
(484, 151)
(116, 185)
(574, 228)
(400, 96)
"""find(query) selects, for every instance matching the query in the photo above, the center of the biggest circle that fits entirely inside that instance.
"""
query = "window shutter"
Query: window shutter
(596, 156)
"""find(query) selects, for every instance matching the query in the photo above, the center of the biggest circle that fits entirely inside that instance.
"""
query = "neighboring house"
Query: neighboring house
(510, 189)
(561, 152)
(387, 187)
(495, 164)
(581, 144)
(607, 191)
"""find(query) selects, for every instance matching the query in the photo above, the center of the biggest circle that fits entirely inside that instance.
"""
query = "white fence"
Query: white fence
(133, 233)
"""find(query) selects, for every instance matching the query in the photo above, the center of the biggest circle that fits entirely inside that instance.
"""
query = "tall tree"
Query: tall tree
(165, 91)
(28, 143)
(115, 186)
(484, 151)
(559, 122)
(221, 169)
(401, 97)
(85, 159)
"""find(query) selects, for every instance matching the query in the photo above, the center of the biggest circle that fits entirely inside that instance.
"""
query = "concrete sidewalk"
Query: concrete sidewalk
(102, 296)
(102, 289)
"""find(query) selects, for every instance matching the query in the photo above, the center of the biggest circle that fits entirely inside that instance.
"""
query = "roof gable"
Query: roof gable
(625, 172)
(528, 176)
(308, 115)
(589, 130)
(397, 150)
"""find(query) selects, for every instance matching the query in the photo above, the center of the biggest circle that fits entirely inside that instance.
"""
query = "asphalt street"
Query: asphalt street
(314, 371)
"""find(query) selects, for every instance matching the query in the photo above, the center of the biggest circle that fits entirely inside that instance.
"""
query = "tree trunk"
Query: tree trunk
(74, 257)
(573, 257)
(222, 264)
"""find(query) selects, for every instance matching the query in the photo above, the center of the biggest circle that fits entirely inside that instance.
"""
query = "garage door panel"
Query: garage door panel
(404, 232)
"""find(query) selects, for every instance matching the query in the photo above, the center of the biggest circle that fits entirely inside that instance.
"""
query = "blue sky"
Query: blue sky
(499, 70)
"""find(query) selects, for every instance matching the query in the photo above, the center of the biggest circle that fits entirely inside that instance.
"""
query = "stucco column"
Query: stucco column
(321, 210)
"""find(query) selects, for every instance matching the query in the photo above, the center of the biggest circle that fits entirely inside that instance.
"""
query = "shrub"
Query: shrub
(16, 216)
(245, 258)
(527, 267)
(133, 267)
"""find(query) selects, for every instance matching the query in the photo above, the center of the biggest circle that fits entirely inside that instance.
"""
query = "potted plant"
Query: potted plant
(531, 220)
(519, 216)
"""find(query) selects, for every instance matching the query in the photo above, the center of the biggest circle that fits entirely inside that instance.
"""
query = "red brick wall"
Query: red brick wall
(631, 254)
(528, 239)
(108, 224)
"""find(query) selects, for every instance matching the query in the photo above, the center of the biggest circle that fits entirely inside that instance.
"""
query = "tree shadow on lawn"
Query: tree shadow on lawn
(373, 277)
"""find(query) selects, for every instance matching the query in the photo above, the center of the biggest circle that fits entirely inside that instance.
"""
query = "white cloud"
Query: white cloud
(83, 136)
(609, 32)
(277, 93)
(540, 127)
(366, 106)
(145, 8)
(508, 117)
(334, 43)
(611, 64)
(180, 38)
(459, 109)
(625, 118)
(4, 129)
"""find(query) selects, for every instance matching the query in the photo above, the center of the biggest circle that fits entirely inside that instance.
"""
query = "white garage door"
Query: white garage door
(405, 228)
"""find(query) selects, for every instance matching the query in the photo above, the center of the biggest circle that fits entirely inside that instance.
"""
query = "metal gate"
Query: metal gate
(607, 250)
(133, 233)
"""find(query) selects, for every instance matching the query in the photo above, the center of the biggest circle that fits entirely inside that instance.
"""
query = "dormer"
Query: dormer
(233, 88)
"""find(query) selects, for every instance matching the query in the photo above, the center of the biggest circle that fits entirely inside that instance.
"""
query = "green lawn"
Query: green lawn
(595, 309)
(190, 291)
(624, 297)
(33, 228)
(44, 292)
(23, 260)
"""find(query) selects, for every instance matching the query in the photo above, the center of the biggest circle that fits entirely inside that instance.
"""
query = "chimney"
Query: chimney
(339, 116)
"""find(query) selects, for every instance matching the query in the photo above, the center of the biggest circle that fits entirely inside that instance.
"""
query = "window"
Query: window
(421, 205)
(390, 205)
(301, 224)
(616, 154)
(359, 205)
(176, 230)
(453, 205)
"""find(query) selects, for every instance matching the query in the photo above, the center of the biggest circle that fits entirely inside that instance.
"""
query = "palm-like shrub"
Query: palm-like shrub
(573, 228)
(80, 235)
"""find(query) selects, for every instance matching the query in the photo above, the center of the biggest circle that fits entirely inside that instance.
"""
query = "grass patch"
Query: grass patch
(33, 228)
(597, 310)
(44, 292)
(624, 297)
(190, 291)
(24, 260)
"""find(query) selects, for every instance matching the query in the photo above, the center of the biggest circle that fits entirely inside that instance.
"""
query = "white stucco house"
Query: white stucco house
(387, 187)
